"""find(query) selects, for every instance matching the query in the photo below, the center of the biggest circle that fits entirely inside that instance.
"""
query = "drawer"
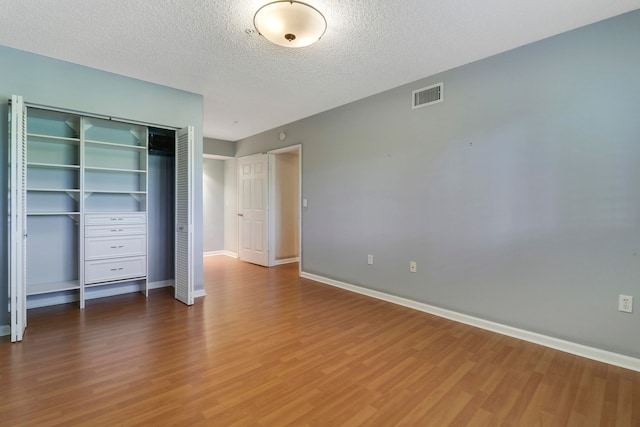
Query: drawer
(117, 230)
(115, 218)
(104, 247)
(114, 269)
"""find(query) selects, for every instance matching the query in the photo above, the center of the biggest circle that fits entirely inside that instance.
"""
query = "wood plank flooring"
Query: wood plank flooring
(266, 348)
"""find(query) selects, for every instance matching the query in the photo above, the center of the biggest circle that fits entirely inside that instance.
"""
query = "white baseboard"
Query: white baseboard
(218, 253)
(5, 330)
(170, 283)
(286, 261)
(110, 290)
(161, 284)
(597, 354)
(212, 253)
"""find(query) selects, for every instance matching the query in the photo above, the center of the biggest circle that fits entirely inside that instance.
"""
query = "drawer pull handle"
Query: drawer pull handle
(113, 230)
(117, 269)
(113, 247)
(116, 247)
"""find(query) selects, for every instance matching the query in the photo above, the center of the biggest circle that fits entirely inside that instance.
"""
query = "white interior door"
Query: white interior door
(253, 208)
(184, 216)
(18, 219)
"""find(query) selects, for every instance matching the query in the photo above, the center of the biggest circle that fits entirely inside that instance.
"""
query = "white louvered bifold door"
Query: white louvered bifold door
(184, 216)
(18, 219)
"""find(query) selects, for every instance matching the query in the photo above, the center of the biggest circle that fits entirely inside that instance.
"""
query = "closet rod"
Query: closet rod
(97, 116)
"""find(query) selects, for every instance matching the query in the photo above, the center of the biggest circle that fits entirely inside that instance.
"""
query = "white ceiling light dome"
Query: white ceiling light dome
(290, 23)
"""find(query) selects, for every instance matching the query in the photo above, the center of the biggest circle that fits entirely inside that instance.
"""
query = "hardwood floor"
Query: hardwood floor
(266, 348)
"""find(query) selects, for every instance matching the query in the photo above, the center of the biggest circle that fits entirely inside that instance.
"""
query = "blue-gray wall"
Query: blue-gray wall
(213, 204)
(218, 147)
(518, 196)
(231, 206)
(161, 204)
(215, 201)
(45, 81)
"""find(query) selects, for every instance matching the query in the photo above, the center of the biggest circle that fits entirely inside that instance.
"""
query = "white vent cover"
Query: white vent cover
(427, 95)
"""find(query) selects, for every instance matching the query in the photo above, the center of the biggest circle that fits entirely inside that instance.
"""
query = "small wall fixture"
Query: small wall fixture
(290, 23)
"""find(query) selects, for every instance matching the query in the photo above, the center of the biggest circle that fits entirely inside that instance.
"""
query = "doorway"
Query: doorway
(285, 197)
(269, 207)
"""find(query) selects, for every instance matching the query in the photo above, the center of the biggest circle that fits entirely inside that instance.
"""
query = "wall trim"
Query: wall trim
(171, 283)
(286, 261)
(593, 353)
(109, 291)
(218, 253)
(5, 330)
(212, 253)
(216, 157)
(161, 284)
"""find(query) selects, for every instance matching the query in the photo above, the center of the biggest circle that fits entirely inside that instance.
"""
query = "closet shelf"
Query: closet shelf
(115, 145)
(52, 213)
(71, 167)
(103, 169)
(52, 166)
(54, 190)
(45, 288)
(61, 139)
(115, 192)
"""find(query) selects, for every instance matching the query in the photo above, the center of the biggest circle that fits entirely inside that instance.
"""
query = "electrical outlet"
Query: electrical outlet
(625, 303)
(369, 259)
(413, 267)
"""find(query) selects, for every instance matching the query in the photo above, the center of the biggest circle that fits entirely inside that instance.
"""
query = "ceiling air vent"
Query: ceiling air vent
(427, 96)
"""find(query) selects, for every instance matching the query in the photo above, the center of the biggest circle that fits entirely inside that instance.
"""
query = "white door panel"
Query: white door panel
(184, 216)
(18, 231)
(253, 208)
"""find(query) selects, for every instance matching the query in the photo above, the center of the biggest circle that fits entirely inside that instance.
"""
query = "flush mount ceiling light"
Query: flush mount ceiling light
(290, 23)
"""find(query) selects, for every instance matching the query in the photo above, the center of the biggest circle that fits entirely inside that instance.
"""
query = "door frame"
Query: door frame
(272, 212)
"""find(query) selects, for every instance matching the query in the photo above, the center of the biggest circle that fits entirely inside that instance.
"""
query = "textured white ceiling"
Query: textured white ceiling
(250, 85)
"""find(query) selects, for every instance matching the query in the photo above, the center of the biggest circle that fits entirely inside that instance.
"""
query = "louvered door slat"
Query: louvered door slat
(184, 216)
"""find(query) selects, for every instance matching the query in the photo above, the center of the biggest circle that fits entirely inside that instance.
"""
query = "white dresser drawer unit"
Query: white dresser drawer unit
(109, 247)
(115, 218)
(114, 269)
(117, 230)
